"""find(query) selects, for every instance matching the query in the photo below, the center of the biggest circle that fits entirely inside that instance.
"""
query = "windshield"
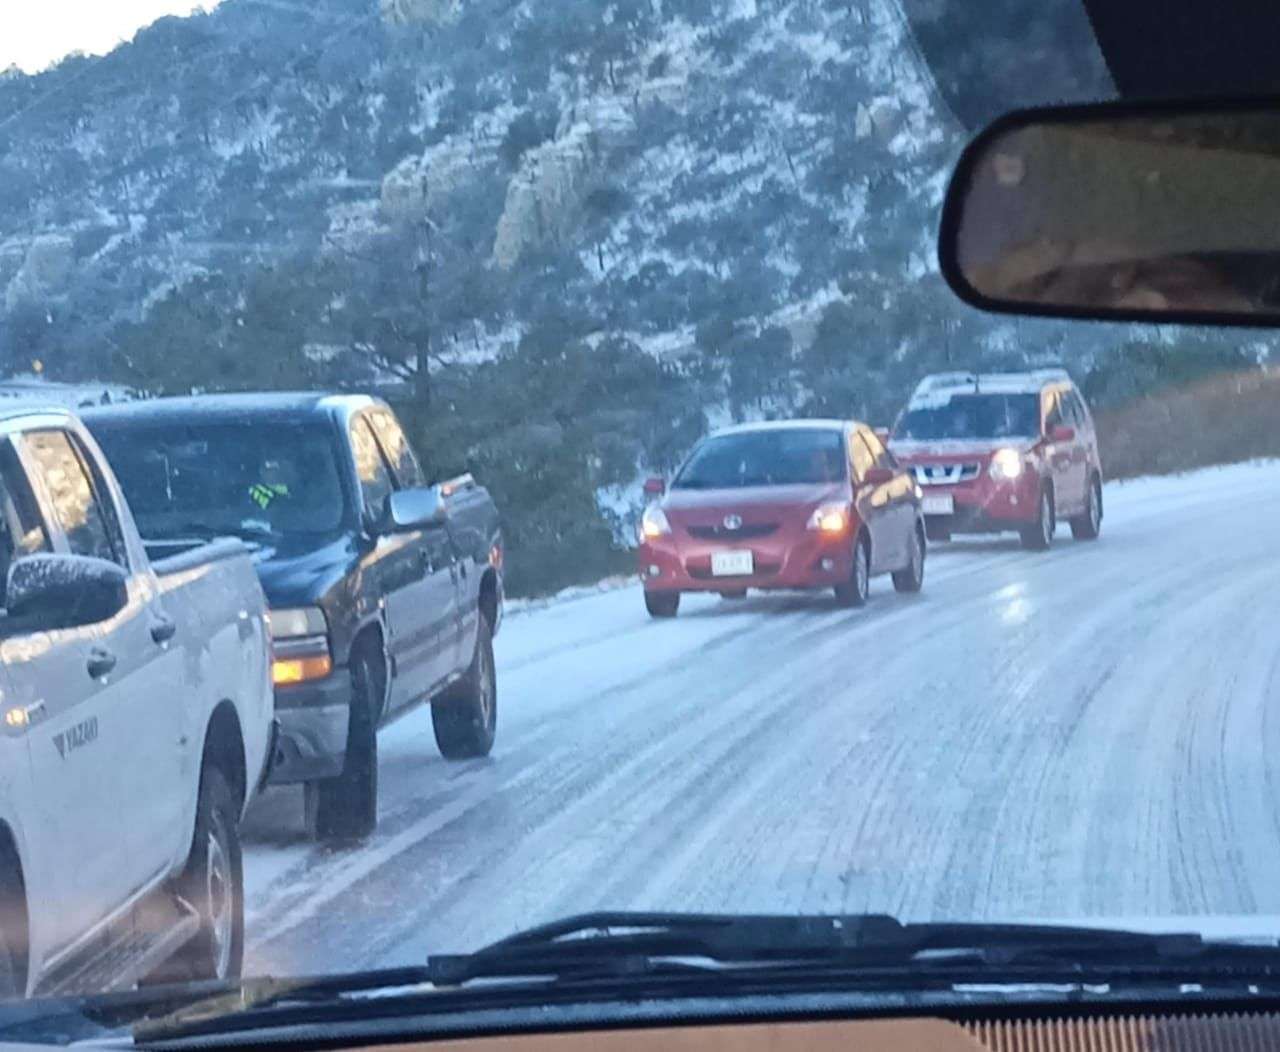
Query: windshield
(964, 416)
(195, 479)
(547, 357)
(764, 458)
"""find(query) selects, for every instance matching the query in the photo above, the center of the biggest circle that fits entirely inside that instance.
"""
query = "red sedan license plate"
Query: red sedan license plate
(732, 564)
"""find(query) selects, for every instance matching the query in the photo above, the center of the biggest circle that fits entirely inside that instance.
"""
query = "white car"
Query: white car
(136, 724)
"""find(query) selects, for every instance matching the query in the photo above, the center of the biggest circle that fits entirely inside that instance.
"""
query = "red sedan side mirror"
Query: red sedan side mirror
(1062, 434)
(878, 476)
(882, 433)
(654, 487)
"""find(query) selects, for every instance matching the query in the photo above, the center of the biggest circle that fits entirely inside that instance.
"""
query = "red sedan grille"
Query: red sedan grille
(747, 531)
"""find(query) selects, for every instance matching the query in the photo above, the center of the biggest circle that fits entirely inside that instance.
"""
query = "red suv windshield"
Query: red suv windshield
(964, 416)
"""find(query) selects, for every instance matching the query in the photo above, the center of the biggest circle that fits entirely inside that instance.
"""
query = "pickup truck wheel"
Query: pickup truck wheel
(212, 883)
(465, 717)
(345, 809)
(9, 989)
(911, 577)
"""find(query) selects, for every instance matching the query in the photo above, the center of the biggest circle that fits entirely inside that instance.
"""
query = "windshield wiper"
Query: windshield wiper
(622, 943)
(617, 954)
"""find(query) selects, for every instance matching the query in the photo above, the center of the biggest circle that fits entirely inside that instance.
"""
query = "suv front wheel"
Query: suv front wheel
(1038, 536)
(1086, 526)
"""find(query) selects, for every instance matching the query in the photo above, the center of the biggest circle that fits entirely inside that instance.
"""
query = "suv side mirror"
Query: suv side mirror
(65, 591)
(654, 487)
(414, 509)
(878, 476)
(1062, 433)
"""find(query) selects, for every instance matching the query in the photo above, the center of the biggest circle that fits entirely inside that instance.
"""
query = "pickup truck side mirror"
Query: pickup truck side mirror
(1061, 433)
(65, 591)
(414, 509)
(654, 487)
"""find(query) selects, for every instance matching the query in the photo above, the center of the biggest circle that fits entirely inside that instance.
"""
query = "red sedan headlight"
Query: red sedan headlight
(830, 519)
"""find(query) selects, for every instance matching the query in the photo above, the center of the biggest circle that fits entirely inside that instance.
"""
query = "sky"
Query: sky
(34, 34)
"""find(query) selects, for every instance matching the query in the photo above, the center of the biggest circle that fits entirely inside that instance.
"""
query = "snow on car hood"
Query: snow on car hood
(750, 497)
(959, 447)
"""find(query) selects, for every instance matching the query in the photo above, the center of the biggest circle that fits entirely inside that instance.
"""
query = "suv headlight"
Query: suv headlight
(1005, 464)
(299, 645)
(653, 523)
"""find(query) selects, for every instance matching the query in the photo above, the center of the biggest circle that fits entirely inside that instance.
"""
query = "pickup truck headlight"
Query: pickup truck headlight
(1006, 464)
(299, 645)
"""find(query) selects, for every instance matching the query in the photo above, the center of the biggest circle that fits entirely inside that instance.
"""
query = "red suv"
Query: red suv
(788, 504)
(1002, 451)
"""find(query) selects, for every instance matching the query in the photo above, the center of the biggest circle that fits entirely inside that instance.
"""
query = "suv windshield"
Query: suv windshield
(765, 458)
(965, 416)
(282, 479)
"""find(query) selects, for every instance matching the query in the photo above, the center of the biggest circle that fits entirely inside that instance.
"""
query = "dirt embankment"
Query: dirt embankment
(1217, 421)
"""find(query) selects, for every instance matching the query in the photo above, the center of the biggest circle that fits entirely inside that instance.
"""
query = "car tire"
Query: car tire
(465, 717)
(734, 593)
(1039, 535)
(662, 604)
(9, 984)
(12, 948)
(857, 588)
(1087, 526)
(212, 883)
(911, 577)
(345, 809)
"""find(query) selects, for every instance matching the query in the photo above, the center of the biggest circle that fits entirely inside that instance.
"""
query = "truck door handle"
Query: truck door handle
(163, 629)
(100, 662)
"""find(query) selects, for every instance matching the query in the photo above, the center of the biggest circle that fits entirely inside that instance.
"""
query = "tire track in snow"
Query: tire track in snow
(1017, 756)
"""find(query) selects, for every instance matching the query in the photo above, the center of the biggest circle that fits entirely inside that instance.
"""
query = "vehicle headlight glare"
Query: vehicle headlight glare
(1006, 464)
(653, 523)
(829, 518)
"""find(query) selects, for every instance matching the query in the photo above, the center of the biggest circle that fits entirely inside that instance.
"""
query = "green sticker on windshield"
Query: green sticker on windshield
(263, 493)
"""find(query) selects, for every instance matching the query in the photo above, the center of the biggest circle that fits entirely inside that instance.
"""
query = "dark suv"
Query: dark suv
(385, 592)
(1002, 451)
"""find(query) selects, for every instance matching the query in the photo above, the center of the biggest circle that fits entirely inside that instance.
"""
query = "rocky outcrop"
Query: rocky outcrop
(44, 272)
(544, 197)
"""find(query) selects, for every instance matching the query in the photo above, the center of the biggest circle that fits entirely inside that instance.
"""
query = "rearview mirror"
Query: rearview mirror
(877, 476)
(65, 591)
(414, 509)
(1158, 212)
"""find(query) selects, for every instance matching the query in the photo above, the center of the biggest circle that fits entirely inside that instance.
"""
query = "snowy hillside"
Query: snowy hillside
(564, 238)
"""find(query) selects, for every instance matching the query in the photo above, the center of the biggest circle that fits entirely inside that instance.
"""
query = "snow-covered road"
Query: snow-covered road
(1089, 732)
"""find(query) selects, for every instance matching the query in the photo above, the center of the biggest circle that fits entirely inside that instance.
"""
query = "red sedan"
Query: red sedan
(788, 504)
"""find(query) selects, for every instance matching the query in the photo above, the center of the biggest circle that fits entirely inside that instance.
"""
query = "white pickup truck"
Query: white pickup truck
(136, 723)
